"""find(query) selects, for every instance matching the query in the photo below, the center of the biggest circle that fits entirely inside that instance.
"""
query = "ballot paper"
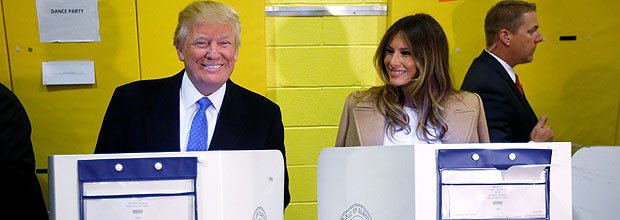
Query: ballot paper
(138, 188)
(494, 201)
(140, 208)
(493, 184)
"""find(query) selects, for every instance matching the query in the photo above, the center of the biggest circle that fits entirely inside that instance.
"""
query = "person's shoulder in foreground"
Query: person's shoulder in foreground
(20, 189)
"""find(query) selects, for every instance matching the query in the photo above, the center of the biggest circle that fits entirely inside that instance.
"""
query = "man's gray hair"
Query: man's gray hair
(206, 12)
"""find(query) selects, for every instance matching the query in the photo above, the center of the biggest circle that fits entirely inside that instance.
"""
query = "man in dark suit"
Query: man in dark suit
(511, 29)
(199, 108)
(19, 189)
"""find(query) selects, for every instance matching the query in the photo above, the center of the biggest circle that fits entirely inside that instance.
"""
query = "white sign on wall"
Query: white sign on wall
(68, 72)
(68, 20)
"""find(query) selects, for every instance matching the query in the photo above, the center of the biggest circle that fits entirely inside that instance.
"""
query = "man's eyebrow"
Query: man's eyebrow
(222, 37)
(198, 37)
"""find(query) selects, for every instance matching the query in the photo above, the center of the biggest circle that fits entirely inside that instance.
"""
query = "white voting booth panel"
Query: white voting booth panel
(402, 182)
(229, 184)
(357, 182)
(596, 183)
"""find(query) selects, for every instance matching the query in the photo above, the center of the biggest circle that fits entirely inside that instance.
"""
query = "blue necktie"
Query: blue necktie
(199, 132)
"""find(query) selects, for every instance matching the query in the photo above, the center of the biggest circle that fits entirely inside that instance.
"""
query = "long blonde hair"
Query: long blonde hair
(431, 86)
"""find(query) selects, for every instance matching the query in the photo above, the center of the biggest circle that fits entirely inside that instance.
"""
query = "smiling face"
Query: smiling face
(524, 42)
(399, 61)
(209, 54)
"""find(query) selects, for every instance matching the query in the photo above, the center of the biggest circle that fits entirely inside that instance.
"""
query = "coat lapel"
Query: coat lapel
(162, 122)
(499, 69)
(230, 120)
(371, 127)
(370, 123)
(459, 119)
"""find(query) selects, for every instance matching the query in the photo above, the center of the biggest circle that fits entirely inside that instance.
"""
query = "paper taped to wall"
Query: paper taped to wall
(68, 20)
(68, 72)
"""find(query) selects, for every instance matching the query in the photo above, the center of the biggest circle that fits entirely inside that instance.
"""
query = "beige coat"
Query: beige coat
(362, 124)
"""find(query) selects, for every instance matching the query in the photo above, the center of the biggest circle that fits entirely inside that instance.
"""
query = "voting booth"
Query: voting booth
(596, 183)
(446, 181)
(174, 185)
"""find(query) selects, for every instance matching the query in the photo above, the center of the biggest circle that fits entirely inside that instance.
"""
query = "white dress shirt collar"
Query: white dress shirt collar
(190, 95)
(508, 68)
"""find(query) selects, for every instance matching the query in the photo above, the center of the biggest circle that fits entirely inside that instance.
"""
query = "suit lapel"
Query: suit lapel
(370, 123)
(162, 122)
(499, 69)
(230, 120)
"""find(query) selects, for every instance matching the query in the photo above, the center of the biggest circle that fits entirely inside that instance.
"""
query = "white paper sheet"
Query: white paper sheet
(138, 187)
(525, 173)
(69, 72)
(68, 20)
(493, 201)
(514, 174)
(151, 208)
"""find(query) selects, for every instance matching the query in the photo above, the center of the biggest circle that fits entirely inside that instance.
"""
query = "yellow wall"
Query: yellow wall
(308, 65)
(157, 20)
(5, 76)
(66, 119)
(136, 43)
(575, 83)
(313, 63)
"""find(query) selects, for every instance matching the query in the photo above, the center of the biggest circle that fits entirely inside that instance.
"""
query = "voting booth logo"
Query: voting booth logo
(259, 214)
(356, 212)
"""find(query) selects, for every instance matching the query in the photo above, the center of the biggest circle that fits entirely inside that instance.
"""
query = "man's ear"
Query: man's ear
(180, 53)
(236, 54)
(505, 36)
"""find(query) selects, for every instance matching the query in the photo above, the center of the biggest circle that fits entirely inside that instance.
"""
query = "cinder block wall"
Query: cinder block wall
(313, 63)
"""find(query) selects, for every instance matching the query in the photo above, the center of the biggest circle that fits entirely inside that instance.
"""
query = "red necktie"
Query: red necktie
(518, 84)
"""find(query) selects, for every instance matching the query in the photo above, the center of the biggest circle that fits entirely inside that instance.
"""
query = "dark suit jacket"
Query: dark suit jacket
(20, 191)
(510, 117)
(143, 116)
